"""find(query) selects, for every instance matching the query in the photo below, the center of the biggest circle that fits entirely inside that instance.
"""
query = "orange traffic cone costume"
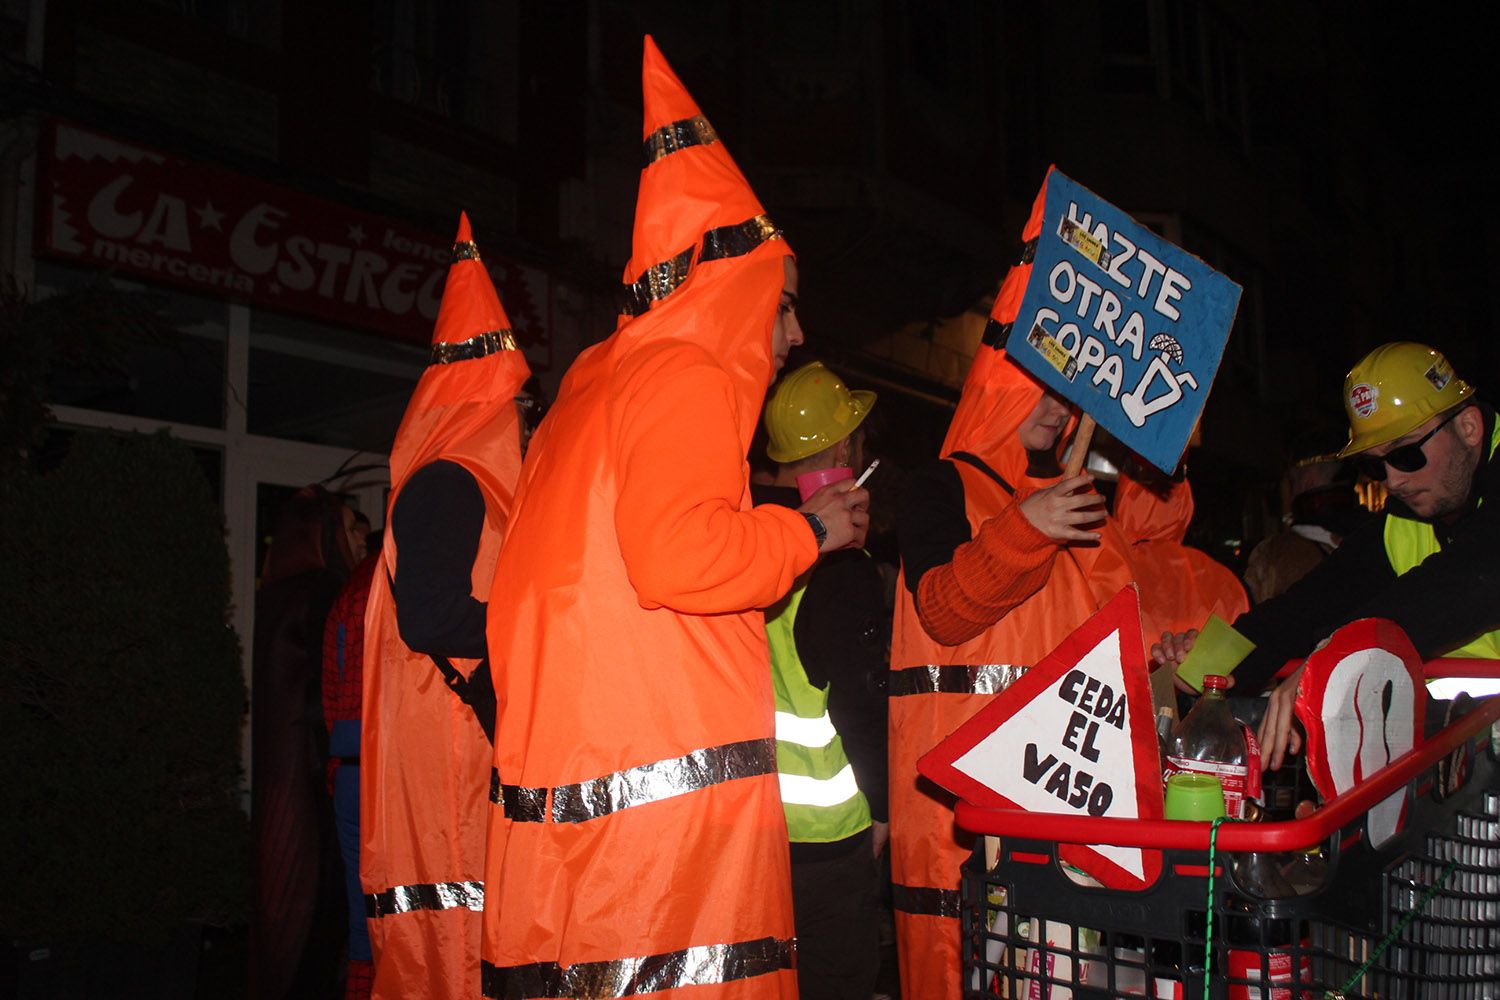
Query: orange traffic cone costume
(1180, 585)
(637, 841)
(425, 756)
(1001, 603)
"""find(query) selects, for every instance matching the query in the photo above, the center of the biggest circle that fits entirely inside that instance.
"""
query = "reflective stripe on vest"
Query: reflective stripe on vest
(815, 734)
(703, 965)
(926, 901)
(822, 800)
(1408, 543)
(954, 678)
(429, 896)
(634, 786)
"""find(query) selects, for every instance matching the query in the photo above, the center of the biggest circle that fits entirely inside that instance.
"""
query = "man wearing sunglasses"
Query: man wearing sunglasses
(1429, 562)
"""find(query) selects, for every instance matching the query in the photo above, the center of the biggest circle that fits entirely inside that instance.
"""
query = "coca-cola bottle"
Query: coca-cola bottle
(1267, 955)
(1210, 740)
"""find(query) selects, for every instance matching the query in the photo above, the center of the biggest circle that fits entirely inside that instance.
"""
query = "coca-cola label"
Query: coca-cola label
(1040, 990)
(1234, 778)
(1246, 965)
(1168, 989)
(1252, 761)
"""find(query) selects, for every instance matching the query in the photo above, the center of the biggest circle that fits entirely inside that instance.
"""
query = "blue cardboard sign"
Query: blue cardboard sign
(1121, 323)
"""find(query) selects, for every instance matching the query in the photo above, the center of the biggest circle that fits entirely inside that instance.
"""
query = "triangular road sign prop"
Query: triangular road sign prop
(1075, 734)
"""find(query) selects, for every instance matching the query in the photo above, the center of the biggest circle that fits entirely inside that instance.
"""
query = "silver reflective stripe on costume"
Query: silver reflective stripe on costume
(980, 678)
(924, 901)
(805, 790)
(701, 965)
(660, 280)
(739, 239)
(479, 346)
(429, 896)
(815, 734)
(636, 786)
(656, 283)
(682, 134)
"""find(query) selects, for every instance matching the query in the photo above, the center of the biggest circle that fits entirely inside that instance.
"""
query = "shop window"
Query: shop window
(1181, 49)
(324, 385)
(1129, 58)
(256, 21)
(452, 58)
(120, 347)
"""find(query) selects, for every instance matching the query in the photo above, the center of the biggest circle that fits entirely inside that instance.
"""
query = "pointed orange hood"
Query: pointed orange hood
(706, 264)
(690, 184)
(462, 406)
(998, 394)
(1146, 515)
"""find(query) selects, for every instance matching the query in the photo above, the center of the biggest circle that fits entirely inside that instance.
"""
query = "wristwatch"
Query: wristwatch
(820, 530)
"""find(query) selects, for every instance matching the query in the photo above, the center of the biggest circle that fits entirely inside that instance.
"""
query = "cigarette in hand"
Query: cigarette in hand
(866, 474)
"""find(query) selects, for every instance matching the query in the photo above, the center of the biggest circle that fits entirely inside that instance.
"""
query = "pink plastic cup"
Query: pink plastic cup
(811, 482)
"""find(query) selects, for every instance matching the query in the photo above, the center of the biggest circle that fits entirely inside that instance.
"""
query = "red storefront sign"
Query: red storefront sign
(135, 210)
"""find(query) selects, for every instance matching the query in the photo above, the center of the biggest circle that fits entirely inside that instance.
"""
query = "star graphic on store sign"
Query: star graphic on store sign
(209, 217)
(357, 234)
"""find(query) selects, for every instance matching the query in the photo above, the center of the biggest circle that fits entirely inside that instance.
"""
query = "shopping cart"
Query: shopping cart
(1418, 917)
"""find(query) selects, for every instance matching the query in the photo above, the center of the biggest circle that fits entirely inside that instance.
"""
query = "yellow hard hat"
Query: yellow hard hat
(1394, 390)
(809, 410)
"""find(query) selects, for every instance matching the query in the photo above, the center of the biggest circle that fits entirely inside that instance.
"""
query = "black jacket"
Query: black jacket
(1451, 598)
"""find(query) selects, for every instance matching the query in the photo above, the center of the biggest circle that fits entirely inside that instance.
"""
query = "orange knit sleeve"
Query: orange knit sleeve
(1007, 562)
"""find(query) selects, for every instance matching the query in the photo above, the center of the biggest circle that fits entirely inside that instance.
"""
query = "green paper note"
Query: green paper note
(1217, 650)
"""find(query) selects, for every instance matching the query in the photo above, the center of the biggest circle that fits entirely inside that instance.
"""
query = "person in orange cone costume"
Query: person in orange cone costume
(999, 595)
(1180, 585)
(425, 754)
(637, 841)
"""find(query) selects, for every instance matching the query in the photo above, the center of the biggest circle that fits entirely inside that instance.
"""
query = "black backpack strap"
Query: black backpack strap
(477, 690)
(978, 463)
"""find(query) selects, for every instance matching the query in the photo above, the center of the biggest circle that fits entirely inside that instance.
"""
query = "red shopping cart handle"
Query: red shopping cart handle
(1443, 666)
(1289, 835)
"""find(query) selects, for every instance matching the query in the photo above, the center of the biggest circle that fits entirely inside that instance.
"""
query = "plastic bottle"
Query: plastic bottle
(1259, 875)
(1210, 740)
(1164, 725)
(1261, 950)
(1307, 871)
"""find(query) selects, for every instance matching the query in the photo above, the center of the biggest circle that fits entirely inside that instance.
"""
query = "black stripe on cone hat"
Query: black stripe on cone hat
(471, 307)
(694, 205)
(998, 394)
(463, 402)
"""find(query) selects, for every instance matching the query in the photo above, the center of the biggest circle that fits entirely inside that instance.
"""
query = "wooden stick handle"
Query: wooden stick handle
(1080, 446)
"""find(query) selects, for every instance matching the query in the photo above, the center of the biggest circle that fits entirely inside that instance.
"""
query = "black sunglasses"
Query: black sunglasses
(1407, 458)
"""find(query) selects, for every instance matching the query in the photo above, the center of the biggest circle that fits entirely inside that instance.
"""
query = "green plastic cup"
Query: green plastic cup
(1194, 796)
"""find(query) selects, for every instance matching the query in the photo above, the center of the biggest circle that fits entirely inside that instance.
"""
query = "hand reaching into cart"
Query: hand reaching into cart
(1278, 733)
(1278, 736)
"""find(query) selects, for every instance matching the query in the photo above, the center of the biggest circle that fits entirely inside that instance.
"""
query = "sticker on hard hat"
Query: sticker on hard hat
(1439, 377)
(1362, 399)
